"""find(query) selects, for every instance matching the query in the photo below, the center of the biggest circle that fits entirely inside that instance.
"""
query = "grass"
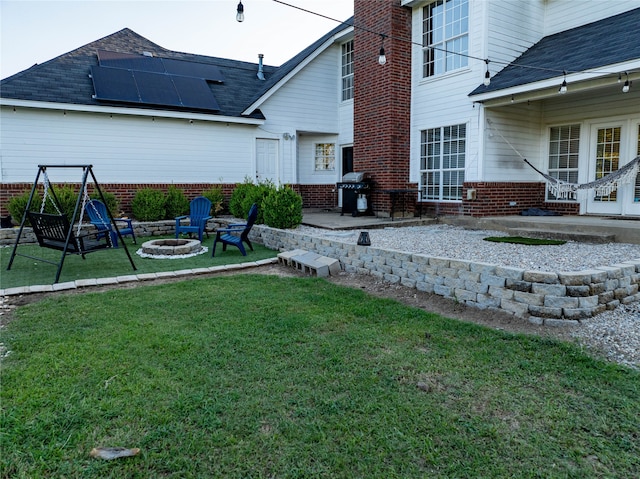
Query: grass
(109, 263)
(524, 240)
(254, 377)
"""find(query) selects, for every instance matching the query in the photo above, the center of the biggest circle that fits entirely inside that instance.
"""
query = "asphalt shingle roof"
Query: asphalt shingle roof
(606, 42)
(65, 79)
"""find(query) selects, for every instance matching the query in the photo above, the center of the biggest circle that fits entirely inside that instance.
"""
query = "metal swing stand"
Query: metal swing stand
(56, 231)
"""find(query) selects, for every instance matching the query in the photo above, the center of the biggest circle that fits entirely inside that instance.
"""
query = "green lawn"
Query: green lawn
(109, 263)
(258, 377)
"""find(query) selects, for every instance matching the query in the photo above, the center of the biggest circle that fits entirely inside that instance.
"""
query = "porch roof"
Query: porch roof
(596, 47)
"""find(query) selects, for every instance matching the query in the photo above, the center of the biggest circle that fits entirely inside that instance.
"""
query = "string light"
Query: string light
(563, 88)
(240, 12)
(627, 85)
(382, 58)
(487, 76)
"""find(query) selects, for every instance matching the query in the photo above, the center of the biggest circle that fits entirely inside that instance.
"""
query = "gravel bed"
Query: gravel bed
(615, 333)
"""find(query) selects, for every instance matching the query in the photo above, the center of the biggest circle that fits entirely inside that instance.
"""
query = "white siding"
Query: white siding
(309, 104)
(565, 14)
(124, 149)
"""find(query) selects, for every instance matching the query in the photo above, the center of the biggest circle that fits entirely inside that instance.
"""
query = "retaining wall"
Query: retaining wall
(541, 297)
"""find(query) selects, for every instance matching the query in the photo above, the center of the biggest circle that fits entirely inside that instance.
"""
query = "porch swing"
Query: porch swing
(56, 231)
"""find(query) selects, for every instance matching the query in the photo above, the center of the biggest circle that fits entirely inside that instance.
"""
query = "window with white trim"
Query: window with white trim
(347, 71)
(325, 157)
(442, 162)
(445, 36)
(564, 148)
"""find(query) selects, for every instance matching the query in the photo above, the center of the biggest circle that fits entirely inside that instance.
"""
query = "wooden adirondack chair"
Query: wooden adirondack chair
(199, 210)
(99, 217)
(236, 234)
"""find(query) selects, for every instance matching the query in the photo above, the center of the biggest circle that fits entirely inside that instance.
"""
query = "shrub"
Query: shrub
(18, 204)
(67, 198)
(256, 195)
(282, 208)
(111, 201)
(176, 203)
(148, 205)
(238, 196)
(216, 197)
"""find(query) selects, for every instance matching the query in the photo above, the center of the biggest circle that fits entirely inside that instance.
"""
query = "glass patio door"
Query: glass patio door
(604, 159)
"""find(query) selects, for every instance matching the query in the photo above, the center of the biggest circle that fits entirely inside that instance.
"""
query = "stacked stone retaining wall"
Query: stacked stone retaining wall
(541, 297)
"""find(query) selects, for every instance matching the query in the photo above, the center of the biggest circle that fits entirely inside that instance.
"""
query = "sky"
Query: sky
(35, 31)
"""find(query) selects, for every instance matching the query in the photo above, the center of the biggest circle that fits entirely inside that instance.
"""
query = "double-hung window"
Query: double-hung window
(442, 162)
(325, 157)
(347, 71)
(564, 148)
(445, 36)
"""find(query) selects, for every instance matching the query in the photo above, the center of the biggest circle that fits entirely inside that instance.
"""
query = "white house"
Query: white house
(470, 90)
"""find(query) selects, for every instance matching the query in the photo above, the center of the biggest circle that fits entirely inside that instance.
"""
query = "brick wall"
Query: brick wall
(382, 95)
(317, 196)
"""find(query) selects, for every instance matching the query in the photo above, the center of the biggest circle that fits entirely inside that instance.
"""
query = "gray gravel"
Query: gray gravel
(615, 333)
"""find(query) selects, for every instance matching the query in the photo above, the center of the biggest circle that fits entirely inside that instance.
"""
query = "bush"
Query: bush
(148, 205)
(282, 208)
(18, 204)
(110, 200)
(176, 203)
(67, 198)
(216, 197)
(237, 198)
(256, 195)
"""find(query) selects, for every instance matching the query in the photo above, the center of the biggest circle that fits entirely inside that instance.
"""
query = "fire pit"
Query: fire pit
(171, 248)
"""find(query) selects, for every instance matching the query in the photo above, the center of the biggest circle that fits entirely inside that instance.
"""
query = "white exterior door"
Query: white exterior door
(612, 146)
(267, 160)
(606, 152)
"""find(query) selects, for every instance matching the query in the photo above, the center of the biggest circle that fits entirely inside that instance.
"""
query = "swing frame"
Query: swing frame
(62, 237)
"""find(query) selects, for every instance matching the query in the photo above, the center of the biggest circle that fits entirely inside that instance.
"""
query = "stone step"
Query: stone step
(579, 236)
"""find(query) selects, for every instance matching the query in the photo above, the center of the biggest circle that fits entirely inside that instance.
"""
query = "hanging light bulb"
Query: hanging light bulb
(627, 85)
(382, 58)
(487, 75)
(240, 14)
(563, 88)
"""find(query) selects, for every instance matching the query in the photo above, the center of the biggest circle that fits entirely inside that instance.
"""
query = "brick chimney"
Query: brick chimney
(382, 96)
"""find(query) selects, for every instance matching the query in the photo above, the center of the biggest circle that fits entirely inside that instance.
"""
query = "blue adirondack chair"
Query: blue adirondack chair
(97, 212)
(236, 233)
(199, 210)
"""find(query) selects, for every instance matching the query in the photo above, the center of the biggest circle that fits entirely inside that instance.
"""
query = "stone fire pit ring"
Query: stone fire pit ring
(171, 248)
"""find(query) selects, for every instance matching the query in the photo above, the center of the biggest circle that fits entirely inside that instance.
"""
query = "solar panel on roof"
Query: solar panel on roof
(195, 93)
(129, 61)
(114, 84)
(145, 63)
(156, 89)
(193, 69)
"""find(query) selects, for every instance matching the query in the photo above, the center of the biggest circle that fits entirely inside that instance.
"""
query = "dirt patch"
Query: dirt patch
(411, 297)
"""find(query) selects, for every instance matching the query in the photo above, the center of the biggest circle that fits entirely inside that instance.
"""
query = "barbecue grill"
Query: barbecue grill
(356, 189)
